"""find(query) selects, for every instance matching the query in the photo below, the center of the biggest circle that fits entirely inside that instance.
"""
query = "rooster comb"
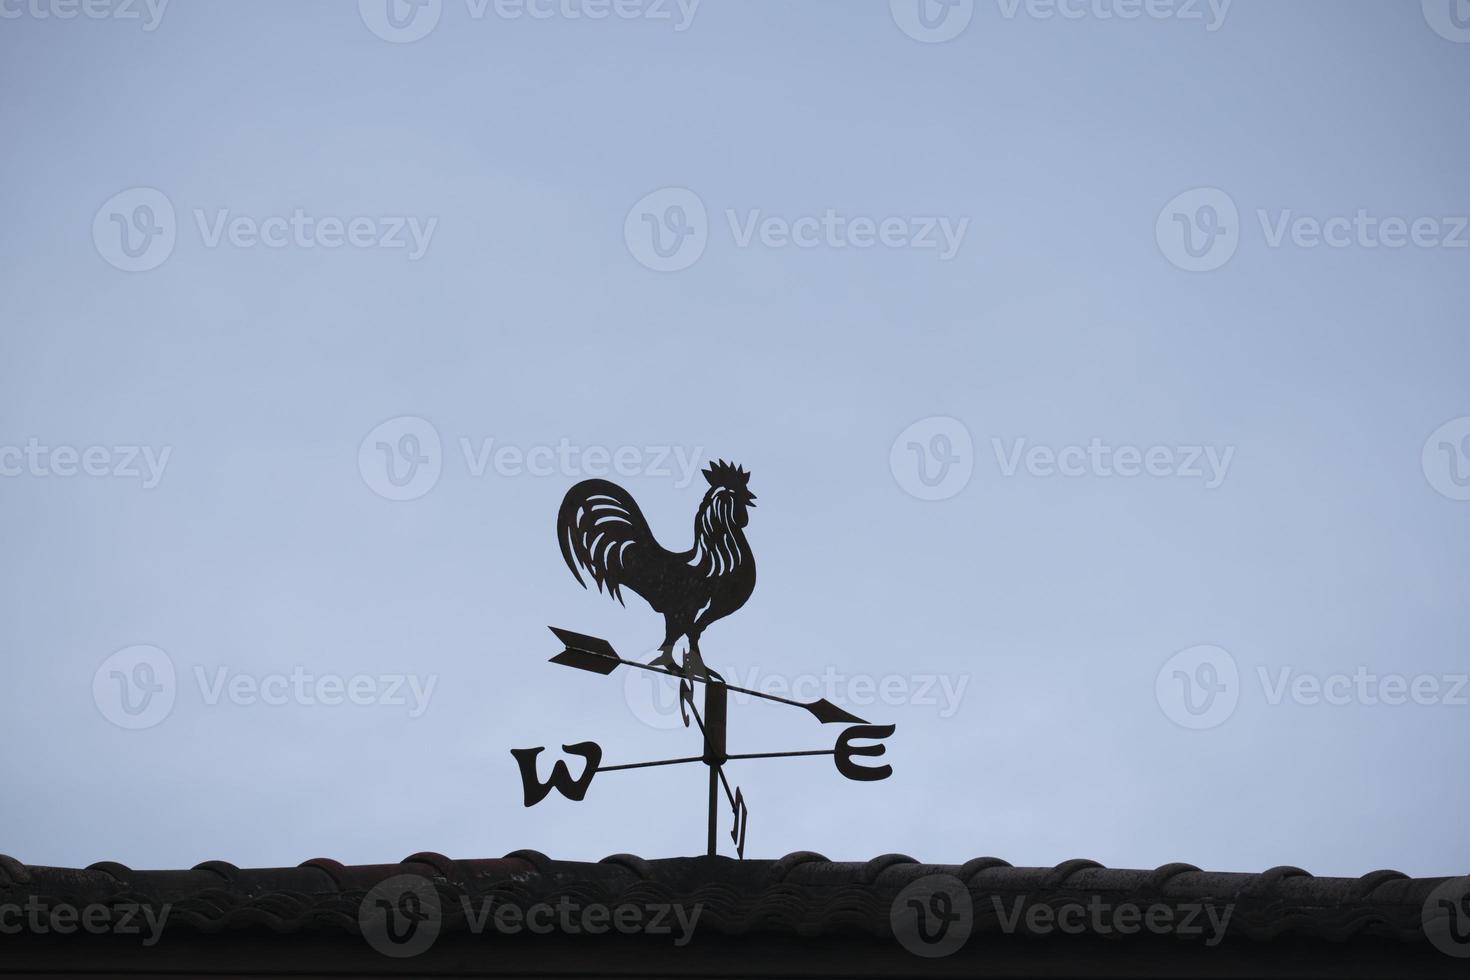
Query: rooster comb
(723, 474)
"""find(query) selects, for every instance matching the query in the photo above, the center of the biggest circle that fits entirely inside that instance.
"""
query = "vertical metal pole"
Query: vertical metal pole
(715, 703)
(714, 781)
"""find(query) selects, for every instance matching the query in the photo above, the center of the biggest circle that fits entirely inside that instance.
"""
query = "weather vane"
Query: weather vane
(602, 532)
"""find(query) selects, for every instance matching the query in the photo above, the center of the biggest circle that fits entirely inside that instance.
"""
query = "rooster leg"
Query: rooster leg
(665, 658)
(694, 665)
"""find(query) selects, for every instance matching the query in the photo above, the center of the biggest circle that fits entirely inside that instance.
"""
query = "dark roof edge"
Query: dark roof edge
(803, 892)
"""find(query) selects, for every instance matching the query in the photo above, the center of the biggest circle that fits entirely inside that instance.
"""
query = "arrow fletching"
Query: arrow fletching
(586, 652)
(582, 660)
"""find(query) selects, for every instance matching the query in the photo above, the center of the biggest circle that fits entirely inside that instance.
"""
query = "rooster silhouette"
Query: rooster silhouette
(602, 530)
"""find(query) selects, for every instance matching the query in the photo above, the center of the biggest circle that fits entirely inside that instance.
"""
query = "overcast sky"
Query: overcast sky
(1101, 368)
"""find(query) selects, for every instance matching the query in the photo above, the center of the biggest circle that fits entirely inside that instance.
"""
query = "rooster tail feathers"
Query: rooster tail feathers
(601, 529)
(564, 535)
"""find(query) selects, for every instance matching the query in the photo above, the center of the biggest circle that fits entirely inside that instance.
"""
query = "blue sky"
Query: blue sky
(1101, 376)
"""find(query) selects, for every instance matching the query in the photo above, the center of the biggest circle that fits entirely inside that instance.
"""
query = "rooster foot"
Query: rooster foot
(665, 660)
(694, 667)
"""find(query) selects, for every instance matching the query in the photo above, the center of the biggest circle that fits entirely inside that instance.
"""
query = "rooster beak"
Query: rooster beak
(750, 501)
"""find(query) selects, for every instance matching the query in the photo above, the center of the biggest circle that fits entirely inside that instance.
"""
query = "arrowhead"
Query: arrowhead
(827, 713)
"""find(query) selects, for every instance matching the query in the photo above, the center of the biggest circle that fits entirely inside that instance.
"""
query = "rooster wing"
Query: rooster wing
(602, 530)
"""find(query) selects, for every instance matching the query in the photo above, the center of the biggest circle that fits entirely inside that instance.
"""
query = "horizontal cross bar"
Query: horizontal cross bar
(645, 765)
(781, 755)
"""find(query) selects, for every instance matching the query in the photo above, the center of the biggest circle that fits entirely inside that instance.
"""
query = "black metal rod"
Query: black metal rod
(713, 727)
(714, 784)
(726, 783)
(645, 765)
(780, 755)
(706, 680)
(603, 660)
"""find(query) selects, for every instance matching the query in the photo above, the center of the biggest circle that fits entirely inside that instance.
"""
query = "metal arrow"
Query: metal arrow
(598, 656)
